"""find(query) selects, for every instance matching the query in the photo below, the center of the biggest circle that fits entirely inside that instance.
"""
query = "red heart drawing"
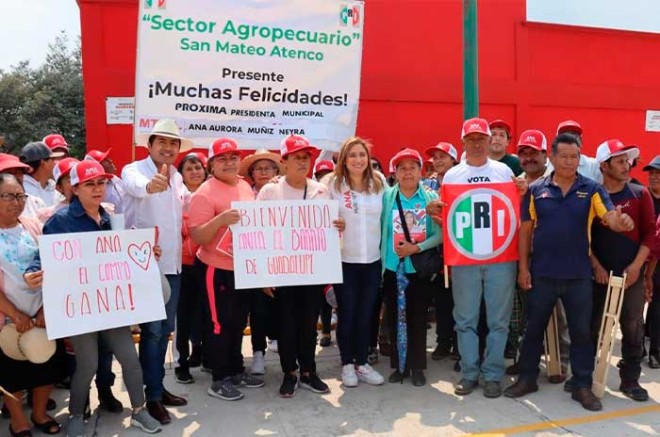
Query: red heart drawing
(140, 255)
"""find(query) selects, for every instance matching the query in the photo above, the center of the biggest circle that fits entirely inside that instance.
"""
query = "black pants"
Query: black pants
(653, 315)
(297, 310)
(631, 323)
(189, 320)
(443, 300)
(262, 320)
(227, 311)
(326, 317)
(416, 310)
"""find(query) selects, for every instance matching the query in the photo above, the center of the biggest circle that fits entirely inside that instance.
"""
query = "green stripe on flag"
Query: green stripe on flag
(462, 232)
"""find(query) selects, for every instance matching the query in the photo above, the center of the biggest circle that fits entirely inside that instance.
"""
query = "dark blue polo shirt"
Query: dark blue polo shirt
(562, 226)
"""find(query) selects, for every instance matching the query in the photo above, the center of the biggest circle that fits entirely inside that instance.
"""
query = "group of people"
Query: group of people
(581, 218)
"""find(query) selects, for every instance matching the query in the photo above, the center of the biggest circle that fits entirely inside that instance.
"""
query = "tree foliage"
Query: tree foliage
(35, 102)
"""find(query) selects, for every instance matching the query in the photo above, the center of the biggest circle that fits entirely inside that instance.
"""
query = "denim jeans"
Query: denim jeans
(154, 337)
(496, 283)
(577, 297)
(356, 304)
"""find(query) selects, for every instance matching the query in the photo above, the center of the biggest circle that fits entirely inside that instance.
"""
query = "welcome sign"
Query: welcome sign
(480, 223)
(252, 70)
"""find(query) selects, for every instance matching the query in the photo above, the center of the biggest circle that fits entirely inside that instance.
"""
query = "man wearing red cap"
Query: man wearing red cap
(58, 145)
(499, 141)
(624, 252)
(114, 193)
(495, 282)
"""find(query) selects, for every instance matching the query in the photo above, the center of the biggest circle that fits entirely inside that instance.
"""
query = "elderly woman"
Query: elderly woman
(297, 308)
(22, 307)
(406, 293)
(258, 169)
(85, 214)
(189, 313)
(211, 215)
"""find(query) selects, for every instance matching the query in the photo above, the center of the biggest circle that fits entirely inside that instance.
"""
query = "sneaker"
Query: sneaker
(368, 374)
(141, 419)
(348, 376)
(258, 366)
(289, 386)
(273, 346)
(313, 382)
(325, 341)
(75, 427)
(183, 376)
(224, 390)
(372, 355)
(246, 380)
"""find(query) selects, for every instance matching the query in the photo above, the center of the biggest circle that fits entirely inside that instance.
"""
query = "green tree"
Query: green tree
(48, 99)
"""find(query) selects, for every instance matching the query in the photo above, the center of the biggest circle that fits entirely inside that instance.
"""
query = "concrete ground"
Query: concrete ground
(388, 410)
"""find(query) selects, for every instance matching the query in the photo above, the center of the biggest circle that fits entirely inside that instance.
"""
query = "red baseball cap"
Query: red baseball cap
(297, 143)
(97, 155)
(533, 138)
(475, 125)
(201, 156)
(407, 153)
(8, 161)
(222, 146)
(63, 168)
(501, 124)
(570, 126)
(324, 166)
(87, 170)
(614, 147)
(448, 148)
(54, 142)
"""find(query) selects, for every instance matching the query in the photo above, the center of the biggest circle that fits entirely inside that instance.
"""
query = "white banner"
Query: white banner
(286, 242)
(252, 70)
(99, 280)
(119, 110)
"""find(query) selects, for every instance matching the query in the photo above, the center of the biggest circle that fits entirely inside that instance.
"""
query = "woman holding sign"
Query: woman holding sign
(404, 289)
(359, 190)
(85, 214)
(21, 312)
(210, 216)
(298, 307)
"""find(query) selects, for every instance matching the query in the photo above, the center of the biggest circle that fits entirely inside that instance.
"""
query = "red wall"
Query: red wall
(533, 75)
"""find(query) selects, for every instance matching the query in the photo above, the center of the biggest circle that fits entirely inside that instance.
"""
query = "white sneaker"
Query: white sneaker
(348, 376)
(368, 374)
(272, 346)
(258, 364)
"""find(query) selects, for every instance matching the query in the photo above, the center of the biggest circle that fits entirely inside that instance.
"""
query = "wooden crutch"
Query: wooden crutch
(552, 353)
(608, 326)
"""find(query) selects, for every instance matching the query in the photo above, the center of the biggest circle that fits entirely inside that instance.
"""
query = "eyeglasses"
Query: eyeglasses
(10, 197)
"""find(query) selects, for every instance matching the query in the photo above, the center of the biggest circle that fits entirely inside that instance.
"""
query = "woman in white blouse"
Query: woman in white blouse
(359, 190)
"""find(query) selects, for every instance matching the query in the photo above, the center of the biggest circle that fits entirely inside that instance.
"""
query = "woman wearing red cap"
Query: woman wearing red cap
(85, 214)
(210, 217)
(359, 190)
(189, 320)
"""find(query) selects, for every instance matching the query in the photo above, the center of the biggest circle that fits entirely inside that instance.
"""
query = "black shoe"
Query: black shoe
(457, 366)
(513, 369)
(195, 359)
(313, 382)
(465, 387)
(520, 388)
(182, 375)
(510, 352)
(325, 341)
(398, 377)
(108, 401)
(654, 360)
(441, 351)
(634, 391)
(158, 411)
(289, 386)
(171, 400)
(418, 378)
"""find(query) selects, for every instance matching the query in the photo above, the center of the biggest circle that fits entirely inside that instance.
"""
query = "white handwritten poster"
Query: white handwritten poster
(99, 280)
(286, 243)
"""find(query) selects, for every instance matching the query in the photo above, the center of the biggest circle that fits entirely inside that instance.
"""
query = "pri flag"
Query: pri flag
(480, 223)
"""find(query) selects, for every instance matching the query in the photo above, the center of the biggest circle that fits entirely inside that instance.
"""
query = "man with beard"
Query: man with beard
(623, 253)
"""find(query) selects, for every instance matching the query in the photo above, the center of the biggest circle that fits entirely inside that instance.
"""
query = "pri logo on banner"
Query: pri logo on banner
(481, 223)
(149, 3)
(349, 16)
